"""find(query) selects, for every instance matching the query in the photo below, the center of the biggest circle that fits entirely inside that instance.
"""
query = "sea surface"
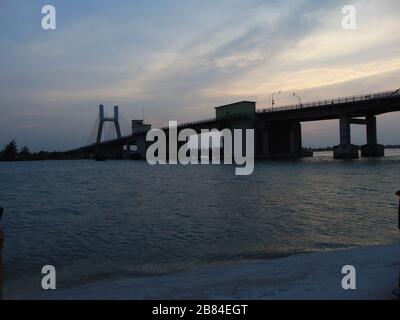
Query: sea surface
(100, 221)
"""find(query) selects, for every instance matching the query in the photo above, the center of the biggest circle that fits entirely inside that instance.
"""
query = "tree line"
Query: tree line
(10, 152)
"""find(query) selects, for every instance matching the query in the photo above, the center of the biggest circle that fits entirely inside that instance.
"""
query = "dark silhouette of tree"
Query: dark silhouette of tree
(25, 153)
(9, 152)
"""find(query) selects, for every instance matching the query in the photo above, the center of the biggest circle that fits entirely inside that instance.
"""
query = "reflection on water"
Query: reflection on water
(105, 220)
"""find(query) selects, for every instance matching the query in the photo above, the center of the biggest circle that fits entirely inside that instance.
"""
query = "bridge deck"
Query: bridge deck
(359, 105)
(354, 106)
(330, 102)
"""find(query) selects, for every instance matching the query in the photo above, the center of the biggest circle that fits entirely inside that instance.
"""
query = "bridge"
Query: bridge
(278, 132)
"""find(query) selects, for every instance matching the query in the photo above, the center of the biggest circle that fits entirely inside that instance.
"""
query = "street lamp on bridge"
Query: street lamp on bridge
(273, 97)
(301, 104)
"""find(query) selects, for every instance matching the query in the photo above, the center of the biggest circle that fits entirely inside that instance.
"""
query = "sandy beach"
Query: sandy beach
(306, 276)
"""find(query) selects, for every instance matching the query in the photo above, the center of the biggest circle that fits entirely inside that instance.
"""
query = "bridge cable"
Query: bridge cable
(125, 124)
(93, 132)
(395, 92)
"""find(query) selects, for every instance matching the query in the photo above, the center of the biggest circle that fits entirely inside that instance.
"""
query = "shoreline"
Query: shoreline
(297, 277)
(63, 156)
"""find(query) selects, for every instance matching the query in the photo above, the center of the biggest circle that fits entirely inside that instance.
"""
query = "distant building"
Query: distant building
(139, 126)
(238, 108)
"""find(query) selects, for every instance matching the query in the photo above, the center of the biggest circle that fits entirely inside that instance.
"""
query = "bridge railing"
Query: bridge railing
(320, 103)
(188, 124)
(193, 123)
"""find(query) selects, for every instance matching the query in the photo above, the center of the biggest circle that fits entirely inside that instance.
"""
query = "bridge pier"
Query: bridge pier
(141, 146)
(280, 140)
(115, 151)
(265, 148)
(295, 139)
(372, 148)
(345, 150)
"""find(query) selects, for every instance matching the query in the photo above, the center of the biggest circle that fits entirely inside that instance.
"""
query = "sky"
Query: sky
(178, 59)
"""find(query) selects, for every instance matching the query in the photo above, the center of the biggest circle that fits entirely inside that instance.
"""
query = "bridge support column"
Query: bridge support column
(345, 150)
(280, 140)
(116, 123)
(103, 119)
(295, 139)
(141, 147)
(101, 123)
(262, 145)
(265, 141)
(127, 152)
(372, 148)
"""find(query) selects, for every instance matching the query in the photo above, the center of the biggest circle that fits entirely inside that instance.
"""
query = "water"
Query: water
(99, 221)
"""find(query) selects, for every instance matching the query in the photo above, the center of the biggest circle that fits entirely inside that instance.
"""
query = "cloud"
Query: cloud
(178, 60)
